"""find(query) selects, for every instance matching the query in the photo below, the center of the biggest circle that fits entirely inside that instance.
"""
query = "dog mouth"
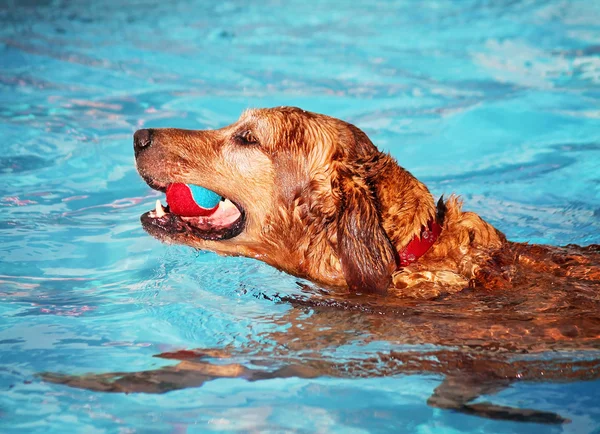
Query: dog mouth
(225, 222)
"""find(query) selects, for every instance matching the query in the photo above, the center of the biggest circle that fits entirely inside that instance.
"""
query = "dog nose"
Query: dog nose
(142, 139)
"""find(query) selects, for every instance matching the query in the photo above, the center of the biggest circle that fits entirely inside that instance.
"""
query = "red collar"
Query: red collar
(420, 244)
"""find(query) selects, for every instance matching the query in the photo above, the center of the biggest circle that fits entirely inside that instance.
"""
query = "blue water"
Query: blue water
(498, 101)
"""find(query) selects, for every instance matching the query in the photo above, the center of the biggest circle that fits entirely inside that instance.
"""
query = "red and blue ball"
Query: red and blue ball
(189, 200)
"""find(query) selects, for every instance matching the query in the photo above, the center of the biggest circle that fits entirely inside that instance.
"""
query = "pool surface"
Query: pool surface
(498, 101)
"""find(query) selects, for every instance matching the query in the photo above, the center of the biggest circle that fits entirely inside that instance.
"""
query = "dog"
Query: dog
(311, 195)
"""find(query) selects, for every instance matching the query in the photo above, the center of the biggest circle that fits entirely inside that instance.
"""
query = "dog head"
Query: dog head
(304, 192)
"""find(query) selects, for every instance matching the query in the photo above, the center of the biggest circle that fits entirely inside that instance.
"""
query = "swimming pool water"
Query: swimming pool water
(495, 100)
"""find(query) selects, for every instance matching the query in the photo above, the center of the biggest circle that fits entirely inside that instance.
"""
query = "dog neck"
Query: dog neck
(406, 205)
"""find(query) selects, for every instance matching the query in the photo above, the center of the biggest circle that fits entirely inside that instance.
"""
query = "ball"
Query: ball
(191, 200)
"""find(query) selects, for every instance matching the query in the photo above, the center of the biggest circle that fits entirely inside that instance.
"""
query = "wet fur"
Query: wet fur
(324, 204)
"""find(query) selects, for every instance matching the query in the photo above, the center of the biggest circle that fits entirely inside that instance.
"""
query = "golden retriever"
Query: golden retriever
(312, 196)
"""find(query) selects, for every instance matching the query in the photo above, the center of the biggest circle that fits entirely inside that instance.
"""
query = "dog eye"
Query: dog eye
(247, 138)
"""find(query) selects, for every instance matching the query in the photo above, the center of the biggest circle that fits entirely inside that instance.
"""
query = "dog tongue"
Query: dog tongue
(189, 200)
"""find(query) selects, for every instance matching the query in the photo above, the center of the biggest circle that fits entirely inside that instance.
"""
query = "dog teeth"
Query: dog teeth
(227, 204)
(159, 210)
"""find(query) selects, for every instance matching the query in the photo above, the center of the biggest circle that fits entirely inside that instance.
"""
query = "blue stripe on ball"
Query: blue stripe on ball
(203, 197)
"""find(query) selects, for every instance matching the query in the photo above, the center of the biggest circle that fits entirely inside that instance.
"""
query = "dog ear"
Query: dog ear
(363, 248)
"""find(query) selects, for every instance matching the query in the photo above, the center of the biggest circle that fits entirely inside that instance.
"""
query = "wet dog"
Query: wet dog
(312, 196)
